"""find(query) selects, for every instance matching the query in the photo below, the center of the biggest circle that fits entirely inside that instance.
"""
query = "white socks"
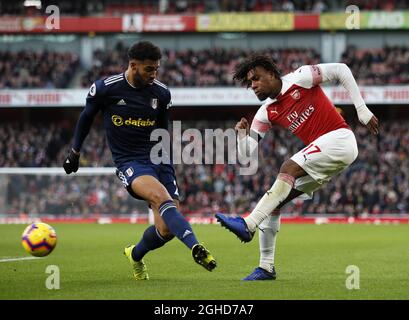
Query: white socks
(270, 201)
(267, 237)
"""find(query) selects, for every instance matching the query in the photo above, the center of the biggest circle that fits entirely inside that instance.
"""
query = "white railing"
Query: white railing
(219, 96)
(82, 171)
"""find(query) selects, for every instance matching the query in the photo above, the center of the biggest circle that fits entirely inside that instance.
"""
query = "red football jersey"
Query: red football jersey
(302, 107)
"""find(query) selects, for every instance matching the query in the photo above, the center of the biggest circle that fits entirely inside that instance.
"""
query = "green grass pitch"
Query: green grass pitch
(311, 263)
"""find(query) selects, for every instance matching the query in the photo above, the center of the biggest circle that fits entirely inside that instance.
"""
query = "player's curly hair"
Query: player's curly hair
(144, 50)
(242, 69)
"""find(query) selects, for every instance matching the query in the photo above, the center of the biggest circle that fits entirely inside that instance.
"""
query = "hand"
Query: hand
(71, 163)
(373, 125)
(242, 127)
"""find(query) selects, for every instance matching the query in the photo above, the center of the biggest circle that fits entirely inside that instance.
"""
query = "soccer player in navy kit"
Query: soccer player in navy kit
(134, 104)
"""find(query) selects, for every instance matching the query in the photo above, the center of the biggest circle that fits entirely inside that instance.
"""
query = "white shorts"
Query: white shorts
(324, 158)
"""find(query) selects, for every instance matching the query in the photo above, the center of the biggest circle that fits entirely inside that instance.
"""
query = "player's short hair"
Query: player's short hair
(242, 69)
(144, 50)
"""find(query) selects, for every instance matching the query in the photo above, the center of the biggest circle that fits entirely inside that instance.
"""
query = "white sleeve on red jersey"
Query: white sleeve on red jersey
(245, 147)
(312, 75)
(309, 76)
(341, 72)
(260, 126)
(306, 76)
(260, 123)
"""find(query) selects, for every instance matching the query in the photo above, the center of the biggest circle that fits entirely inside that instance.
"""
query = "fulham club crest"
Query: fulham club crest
(129, 172)
(154, 103)
(93, 90)
(295, 94)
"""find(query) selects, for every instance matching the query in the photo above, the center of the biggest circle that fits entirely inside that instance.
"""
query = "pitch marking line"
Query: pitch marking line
(18, 259)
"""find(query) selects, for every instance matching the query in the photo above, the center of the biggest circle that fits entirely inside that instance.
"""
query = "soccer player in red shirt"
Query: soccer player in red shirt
(297, 103)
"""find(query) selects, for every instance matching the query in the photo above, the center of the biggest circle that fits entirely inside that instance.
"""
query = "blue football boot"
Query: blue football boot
(237, 225)
(261, 274)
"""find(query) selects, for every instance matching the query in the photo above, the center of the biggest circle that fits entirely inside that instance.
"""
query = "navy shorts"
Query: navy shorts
(165, 173)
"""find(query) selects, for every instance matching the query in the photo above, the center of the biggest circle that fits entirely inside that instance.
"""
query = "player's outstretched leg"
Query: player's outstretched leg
(179, 226)
(237, 225)
(150, 189)
(203, 257)
(261, 274)
(140, 272)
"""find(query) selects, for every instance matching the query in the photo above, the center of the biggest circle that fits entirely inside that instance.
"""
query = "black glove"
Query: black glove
(71, 163)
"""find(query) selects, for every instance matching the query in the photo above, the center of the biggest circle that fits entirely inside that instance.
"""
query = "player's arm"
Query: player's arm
(325, 72)
(249, 137)
(84, 123)
(163, 119)
(163, 115)
(246, 142)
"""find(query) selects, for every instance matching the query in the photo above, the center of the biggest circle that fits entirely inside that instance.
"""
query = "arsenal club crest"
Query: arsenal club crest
(295, 94)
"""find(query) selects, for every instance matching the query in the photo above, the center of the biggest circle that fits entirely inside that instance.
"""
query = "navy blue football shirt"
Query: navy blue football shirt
(130, 114)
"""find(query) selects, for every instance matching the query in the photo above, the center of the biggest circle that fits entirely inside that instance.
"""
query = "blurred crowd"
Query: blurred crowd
(378, 66)
(214, 67)
(27, 69)
(118, 7)
(45, 145)
(191, 68)
(377, 182)
(389, 5)
(69, 195)
(204, 68)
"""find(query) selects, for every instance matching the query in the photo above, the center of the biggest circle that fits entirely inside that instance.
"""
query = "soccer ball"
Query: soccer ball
(39, 239)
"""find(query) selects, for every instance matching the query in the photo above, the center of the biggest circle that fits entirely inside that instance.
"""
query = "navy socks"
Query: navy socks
(151, 240)
(177, 224)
